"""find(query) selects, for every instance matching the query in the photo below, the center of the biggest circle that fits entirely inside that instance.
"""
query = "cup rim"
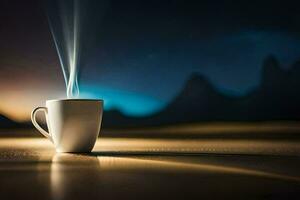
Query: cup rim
(91, 100)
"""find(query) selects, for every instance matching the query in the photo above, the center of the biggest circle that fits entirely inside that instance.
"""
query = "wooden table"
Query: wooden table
(150, 169)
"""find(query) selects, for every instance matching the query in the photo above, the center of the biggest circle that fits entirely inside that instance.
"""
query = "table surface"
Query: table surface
(149, 169)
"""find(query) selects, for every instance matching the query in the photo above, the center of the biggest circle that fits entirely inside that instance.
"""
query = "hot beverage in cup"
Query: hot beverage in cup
(73, 124)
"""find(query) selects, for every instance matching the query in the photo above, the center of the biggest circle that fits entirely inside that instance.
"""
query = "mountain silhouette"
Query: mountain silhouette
(5, 122)
(277, 98)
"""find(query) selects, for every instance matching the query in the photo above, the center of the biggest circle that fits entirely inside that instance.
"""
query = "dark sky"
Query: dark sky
(138, 54)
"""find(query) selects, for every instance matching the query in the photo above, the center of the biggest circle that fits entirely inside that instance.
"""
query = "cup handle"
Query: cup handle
(37, 126)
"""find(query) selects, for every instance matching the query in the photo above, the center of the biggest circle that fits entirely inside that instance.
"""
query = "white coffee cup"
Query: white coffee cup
(73, 124)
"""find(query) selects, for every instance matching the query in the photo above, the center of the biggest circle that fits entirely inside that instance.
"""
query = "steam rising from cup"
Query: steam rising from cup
(65, 32)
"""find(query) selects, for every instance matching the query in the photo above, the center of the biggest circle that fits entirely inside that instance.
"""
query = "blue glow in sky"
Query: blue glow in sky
(129, 103)
(140, 83)
(232, 62)
(137, 55)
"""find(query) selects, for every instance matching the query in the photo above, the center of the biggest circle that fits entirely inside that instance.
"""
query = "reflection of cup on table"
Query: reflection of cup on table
(71, 171)
(73, 124)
